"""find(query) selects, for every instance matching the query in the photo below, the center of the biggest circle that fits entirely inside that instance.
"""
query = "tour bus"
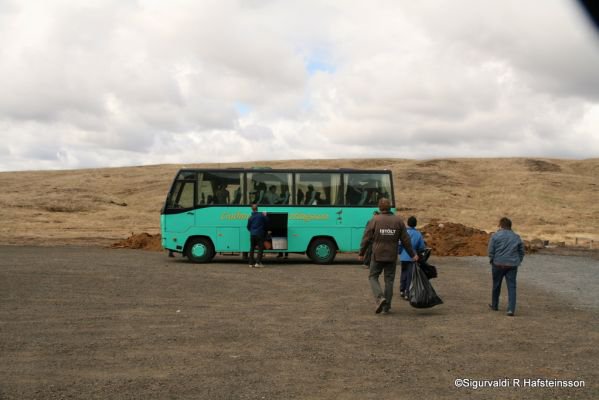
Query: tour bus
(318, 212)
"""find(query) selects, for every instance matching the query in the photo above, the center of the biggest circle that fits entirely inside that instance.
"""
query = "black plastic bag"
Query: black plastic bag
(423, 255)
(429, 270)
(421, 292)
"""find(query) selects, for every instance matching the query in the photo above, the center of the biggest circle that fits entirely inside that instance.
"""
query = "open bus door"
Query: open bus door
(279, 230)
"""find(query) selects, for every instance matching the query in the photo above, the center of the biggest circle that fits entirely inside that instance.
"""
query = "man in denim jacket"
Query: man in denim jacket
(506, 252)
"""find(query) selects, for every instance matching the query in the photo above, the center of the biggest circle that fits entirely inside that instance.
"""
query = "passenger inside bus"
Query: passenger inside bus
(222, 195)
(300, 196)
(310, 195)
(317, 199)
(259, 192)
(353, 195)
(271, 196)
(237, 196)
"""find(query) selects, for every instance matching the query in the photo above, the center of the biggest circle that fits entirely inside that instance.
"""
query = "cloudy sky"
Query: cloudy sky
(102, 83)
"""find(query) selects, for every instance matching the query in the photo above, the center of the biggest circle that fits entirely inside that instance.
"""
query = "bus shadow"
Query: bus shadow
(292, 259)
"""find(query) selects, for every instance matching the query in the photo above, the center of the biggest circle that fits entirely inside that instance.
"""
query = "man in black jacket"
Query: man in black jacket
(384, 231)
(257, 226)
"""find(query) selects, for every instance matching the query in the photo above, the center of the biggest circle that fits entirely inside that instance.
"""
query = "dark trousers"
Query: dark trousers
(259, 242)
(388, 268)
(405, 278)
(368, 255)
(510, 279)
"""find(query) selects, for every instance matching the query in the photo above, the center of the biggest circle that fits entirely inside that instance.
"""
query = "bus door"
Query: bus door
(279, 228)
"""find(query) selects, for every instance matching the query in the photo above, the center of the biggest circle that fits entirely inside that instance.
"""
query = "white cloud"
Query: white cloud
(118, 83)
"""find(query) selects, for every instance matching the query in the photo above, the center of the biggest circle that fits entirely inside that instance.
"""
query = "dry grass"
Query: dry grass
(550, 199)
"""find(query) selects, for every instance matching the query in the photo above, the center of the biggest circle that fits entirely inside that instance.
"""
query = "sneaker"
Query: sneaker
(251, 265)
(258, 265)
(510, 313)
(492, 308)
(380, 305)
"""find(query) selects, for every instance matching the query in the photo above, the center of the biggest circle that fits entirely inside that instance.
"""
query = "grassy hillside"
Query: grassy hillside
(556, 200)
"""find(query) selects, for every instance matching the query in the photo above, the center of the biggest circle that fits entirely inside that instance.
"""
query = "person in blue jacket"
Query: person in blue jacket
(418, 245)
(506, 252)
(257, 225)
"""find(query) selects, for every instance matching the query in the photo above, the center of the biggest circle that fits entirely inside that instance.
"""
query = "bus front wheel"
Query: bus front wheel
(322, 251)
(200, 250)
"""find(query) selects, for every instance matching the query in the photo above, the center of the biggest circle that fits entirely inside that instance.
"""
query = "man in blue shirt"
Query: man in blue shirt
(257, 225)
(406, 261)
(506, 252)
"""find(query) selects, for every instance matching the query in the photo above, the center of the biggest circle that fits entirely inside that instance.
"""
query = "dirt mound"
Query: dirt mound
(143, 241)
(452, 239)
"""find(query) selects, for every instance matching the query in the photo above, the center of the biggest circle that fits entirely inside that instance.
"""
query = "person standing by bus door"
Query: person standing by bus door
(384, 230)
(257, 225)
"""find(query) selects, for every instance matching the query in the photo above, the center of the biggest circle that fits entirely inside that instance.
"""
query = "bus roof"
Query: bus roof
(267, 169)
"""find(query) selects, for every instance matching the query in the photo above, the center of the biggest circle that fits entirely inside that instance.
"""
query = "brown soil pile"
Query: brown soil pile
(143, 241)
(451, 239)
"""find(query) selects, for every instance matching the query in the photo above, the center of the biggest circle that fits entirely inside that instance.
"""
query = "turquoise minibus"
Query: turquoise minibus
(317, 212)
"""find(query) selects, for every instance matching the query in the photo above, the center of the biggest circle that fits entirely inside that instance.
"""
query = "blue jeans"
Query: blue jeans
(510, 278)
(405, 278)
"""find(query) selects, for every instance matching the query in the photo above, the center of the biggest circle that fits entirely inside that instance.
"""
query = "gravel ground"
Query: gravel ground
(95, 323)
(574, 279)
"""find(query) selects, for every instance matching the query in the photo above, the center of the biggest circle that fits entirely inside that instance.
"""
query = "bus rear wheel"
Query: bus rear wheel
(200, 250)
(322, 251)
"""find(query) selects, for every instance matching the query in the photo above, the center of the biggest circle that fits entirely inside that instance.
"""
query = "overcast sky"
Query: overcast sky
(114, 83)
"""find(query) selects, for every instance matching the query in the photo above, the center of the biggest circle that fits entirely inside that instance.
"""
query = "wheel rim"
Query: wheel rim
(323, 251)
(199, 250)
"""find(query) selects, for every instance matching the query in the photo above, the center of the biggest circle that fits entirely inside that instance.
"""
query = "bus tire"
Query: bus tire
(200, 250)
(322, 251)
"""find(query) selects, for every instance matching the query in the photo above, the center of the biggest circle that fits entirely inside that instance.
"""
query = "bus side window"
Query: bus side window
(260, 195)
(300, 196)
(317, 199)
(236, 196)
(363, 198)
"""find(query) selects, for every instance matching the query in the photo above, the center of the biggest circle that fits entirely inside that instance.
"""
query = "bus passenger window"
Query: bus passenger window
(222, 195)
(236, 196)
(300, 196)
(310, 195)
